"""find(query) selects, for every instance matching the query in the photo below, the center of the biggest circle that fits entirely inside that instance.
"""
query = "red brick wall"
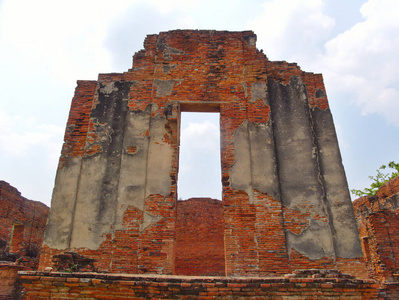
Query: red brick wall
(8, 280)
(29, 218)
(78, 121)
(41, 285)
(282, 71)
(207, 70)
(200, 237)
(378, 223)
(17, 239)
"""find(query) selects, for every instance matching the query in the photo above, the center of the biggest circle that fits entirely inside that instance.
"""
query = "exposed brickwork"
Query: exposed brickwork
(72, 262)
(115, 197)
(356, 267)
(378, 223)
(9, 289)
(17, 238)
(389, 290)
(200, 237)
(41, 285)
(388, 190)
(77, 125)
(282, 71)
(22, 222)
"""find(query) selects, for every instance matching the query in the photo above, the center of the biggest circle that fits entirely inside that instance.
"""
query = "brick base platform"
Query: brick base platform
(45, 285)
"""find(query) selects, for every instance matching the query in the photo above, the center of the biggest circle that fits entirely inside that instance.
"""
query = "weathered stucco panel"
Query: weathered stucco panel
(345, 231)
(60, 220)
(132, 180)
(159, 163)
(263, 159)
(92, 221)
(99, 180)
(241, 173)
(301, 189)
(314, 241)
(255, 165)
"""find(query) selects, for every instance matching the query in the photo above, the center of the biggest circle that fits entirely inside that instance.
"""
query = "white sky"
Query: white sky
(199, 168)
(46, 45)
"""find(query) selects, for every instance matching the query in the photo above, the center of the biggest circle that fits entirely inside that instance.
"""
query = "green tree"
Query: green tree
(378, 180)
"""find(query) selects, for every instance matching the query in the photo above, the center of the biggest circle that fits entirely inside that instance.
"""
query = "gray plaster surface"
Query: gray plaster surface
(342, 218)
(298, 168)
(99, 179)
(60, 220)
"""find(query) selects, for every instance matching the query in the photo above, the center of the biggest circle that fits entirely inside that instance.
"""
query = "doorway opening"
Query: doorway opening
(200, 221)
(199, 158)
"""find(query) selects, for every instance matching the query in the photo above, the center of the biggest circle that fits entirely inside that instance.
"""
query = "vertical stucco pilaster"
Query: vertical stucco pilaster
(132, 185)
(342, 217)
(305, 215)
(99, 177)
(60, 220)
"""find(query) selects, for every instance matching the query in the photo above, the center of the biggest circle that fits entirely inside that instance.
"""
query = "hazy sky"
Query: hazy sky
(46, 45)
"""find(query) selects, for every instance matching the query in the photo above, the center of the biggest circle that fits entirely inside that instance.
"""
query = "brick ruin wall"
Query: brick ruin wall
(22, 222)
(10, 287)
(286, 204)
(200, 237)
(378, 223)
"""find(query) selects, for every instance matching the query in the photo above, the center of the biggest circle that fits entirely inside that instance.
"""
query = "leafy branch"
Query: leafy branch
(378, 180)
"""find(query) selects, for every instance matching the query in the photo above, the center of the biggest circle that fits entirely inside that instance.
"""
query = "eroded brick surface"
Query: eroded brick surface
(378, 223)
(9, 285)
(22, 224)
(285, 201)
(200, 237)
(41, 285)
